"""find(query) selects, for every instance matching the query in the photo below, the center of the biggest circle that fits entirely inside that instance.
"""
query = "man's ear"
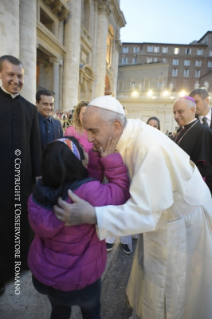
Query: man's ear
(118, 127)
(207, 99)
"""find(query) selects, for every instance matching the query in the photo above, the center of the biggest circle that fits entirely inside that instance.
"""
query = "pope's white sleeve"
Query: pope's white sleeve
(151, 192)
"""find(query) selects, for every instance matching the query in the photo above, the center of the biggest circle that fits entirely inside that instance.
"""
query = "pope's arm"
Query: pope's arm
(157, 172)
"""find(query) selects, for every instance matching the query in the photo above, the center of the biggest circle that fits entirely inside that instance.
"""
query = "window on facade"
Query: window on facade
(155, 59)
(156, 49)
(176, 50)
(135, 49)
(199, 51)
(186, 62)
(150, 48)
(164, 49)
(187, 51)
(210, 53)
(124, 60)
(148, 60)
(47, 21)
(125, 50)
(186, 73)
(174, 72)
(198, 63)
(210, 64)
(197, 73)
(164, 60)
(175, 61)
(134, 61)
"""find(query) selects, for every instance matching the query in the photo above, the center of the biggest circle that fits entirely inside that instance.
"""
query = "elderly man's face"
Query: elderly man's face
(202, 107)
(183, 114)
(98, 130)
(12, 77)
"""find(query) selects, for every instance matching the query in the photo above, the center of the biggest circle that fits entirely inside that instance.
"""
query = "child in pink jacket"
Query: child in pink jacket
(67, 261)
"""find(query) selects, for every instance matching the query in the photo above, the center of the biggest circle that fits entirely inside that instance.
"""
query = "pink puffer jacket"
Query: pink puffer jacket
(70, 258)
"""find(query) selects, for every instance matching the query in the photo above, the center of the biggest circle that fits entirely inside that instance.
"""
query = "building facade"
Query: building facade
(152, 75)
(189, 65)
(68, 47)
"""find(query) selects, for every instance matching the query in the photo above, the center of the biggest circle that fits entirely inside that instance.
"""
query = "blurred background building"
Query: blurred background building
(69, 47)
(152, 75)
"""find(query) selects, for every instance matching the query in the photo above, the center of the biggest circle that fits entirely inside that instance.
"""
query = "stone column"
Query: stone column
(56, 81)
(116, 49)
(28, 47)
(101, 50)
(41, 72)
(94, 23)
(72, 59)
(9, 28)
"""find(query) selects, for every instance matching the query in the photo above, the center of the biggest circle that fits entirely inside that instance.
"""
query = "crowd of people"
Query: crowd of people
(100, 177)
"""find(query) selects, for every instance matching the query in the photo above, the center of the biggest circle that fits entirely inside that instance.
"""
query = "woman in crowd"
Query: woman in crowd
(77, 129)
(154, 121)
(67, 261)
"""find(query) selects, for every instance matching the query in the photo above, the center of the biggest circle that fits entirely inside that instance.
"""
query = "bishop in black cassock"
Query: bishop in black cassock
(193, 137)
(20, 162)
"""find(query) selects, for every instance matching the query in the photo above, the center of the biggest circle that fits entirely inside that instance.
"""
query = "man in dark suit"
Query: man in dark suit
(20, 162)
(50, 129)
(204, 115)
(203, 111)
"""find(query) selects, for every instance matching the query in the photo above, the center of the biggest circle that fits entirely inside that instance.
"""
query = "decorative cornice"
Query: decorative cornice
(56, 61)
(118, 44)
(59, 8)
(49, 41)
(105, 7)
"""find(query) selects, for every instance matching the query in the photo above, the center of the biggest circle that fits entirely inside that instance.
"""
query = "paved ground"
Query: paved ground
(32, 305)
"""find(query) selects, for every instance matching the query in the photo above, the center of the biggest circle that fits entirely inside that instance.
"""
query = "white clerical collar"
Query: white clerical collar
(208, 116)
(190, 122)
(12, 95)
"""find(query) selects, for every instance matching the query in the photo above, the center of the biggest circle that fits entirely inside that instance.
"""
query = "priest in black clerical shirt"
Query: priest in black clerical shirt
(194, 138)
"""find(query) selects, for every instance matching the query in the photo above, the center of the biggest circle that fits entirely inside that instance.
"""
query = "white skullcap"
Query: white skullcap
(108, 103)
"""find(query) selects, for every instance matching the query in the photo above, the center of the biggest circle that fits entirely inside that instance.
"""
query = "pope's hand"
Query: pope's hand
(79, 212)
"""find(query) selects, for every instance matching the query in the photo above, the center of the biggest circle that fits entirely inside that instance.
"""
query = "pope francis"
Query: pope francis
(170, 204)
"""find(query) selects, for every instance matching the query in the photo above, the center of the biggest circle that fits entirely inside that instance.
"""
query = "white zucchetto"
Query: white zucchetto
(108, 103)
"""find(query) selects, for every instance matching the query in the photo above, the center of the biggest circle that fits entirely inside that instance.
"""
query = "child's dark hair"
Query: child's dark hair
(60, 165)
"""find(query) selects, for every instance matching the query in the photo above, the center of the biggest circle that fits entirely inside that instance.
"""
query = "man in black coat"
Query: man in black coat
(50, 128)
(203, 114)
(20, 162)
(194, 138)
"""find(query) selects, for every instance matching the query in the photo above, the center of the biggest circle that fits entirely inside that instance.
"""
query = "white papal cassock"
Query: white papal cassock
(170, 204)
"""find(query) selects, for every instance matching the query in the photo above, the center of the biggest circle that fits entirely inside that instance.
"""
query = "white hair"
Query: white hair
(110, 116)
(189, 103)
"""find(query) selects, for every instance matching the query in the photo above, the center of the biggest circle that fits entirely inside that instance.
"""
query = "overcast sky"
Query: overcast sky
(166, 21)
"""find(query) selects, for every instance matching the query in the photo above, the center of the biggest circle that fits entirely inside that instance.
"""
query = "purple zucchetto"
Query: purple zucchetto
(186, 97)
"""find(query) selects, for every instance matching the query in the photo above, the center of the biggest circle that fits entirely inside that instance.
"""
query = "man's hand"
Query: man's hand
(80, 212)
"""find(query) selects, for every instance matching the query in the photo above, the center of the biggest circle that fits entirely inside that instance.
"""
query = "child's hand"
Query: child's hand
(110, 147)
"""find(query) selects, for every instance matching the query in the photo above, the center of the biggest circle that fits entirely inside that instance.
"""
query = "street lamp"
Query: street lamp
(149, 93)
(183, 93)
(135, 93)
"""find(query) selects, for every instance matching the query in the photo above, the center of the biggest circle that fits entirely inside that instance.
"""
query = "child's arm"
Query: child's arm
(43, 221)
(95, 167)
(116, 191)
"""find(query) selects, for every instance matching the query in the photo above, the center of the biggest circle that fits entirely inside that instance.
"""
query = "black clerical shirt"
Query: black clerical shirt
(196, 140)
